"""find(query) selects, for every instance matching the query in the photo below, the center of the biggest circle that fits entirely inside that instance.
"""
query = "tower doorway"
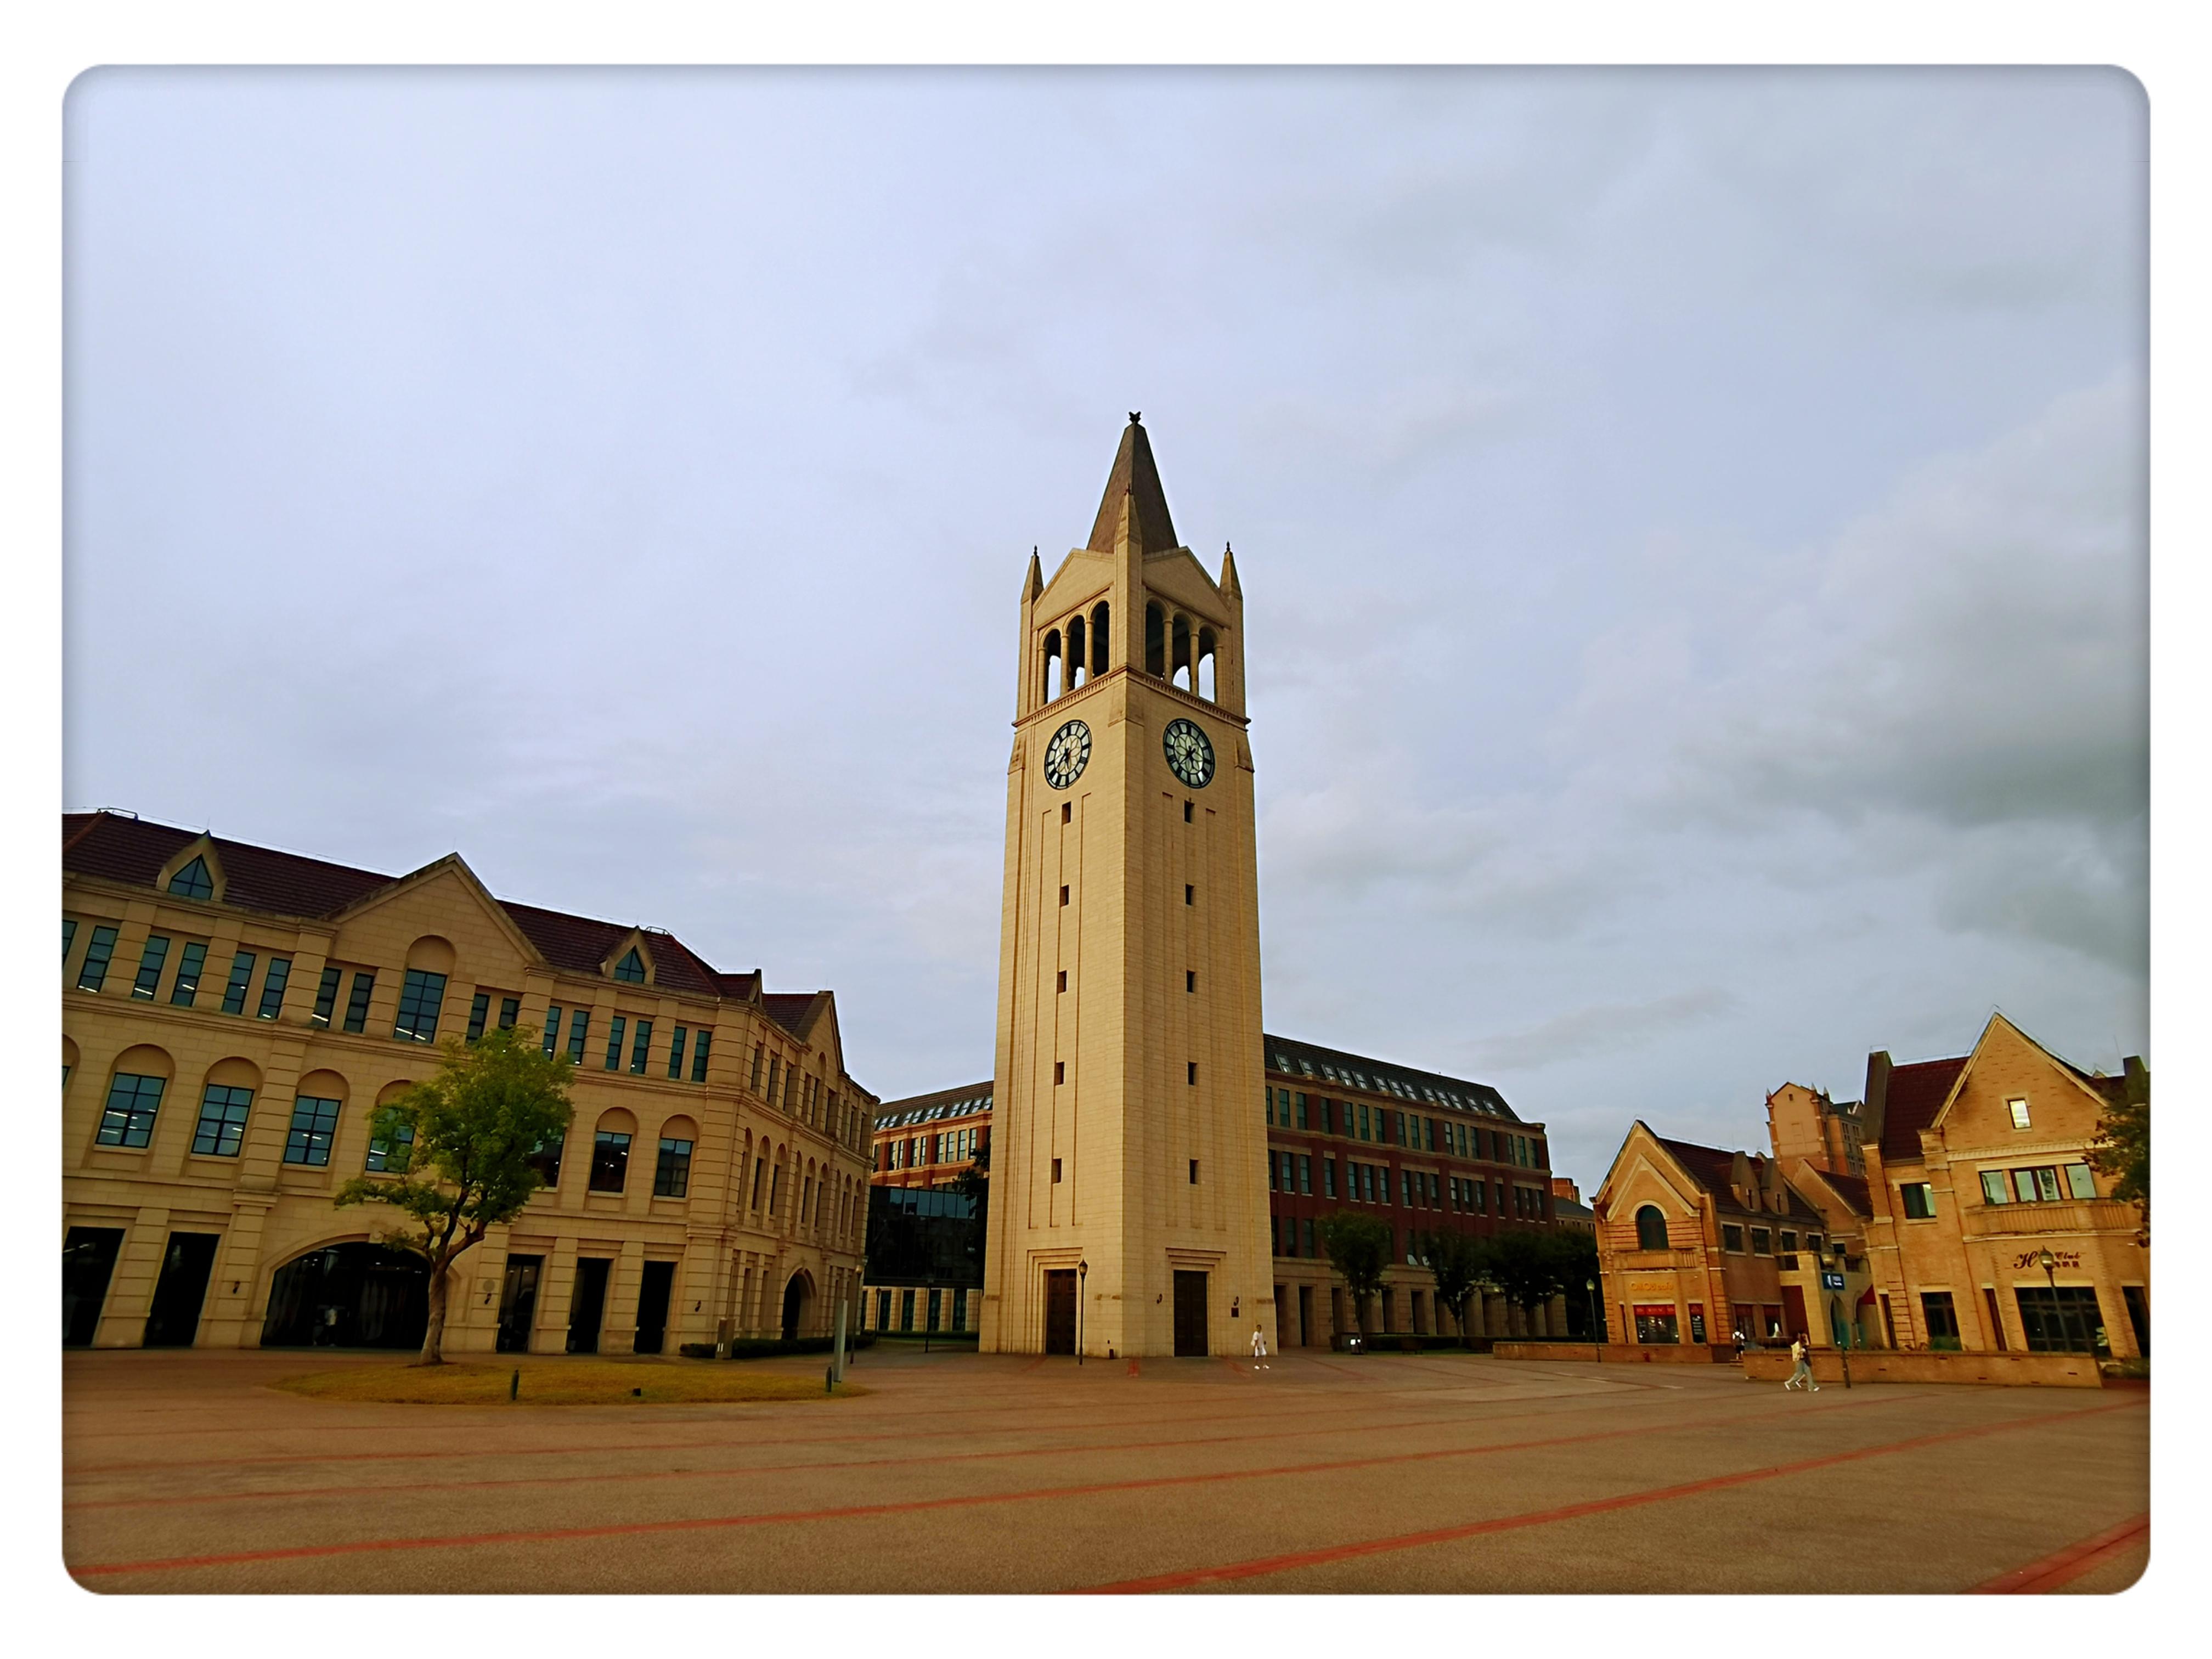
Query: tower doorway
(1060, 1310)
(1190, 1314)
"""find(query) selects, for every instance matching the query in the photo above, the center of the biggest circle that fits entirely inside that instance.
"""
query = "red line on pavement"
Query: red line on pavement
(1275, 1564)
(2065, 1565)
(865, 1511)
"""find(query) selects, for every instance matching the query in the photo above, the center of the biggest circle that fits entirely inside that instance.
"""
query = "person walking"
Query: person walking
(1259, 1350)
(1803, 1373)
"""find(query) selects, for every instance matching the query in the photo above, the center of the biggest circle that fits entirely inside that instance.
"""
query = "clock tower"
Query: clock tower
(1129, 1193)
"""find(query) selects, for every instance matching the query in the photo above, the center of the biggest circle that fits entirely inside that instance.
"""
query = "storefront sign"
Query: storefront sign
(1832, 1281)
(2059, 1259)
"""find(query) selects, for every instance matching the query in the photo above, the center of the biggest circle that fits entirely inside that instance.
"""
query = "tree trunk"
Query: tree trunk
(433, 1332)
(1359, 1313)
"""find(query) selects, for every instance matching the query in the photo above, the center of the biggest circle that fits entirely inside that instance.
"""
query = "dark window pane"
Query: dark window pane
(193, 881)
(273, 981)
(672, 1177)
(128, 1118)
(676, 1052)
(552, 1026)
(92, 974)
(614, 1028)
(189, 964)
(314, 1124)
(479, 1012)
(69, 936)
(327, 995)
(241, 975)
(631, 968)
(545, 1158)
(510, 1009)
(391, 1157)
(609, 1161)
(580, 1022)
(357, 1017)
(641, 1047)
(150, 965)
(222, 1121)
(422, 993)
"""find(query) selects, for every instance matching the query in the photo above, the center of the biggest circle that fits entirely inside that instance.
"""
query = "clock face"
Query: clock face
(1189, 755)
(1066, 755)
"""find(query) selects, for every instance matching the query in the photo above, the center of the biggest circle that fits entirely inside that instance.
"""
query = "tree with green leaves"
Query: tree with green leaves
(458, 1151)
(1457, 1261)
(1359, 1247)
(1527, 1265)
(2122, 1149)
(1577, 1266)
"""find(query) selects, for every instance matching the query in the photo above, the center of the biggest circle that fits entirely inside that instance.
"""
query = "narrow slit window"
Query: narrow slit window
(1063, 895)
(1190, 979)
(1055, 1172)
(1193, 1172)
(1189, 894)
(1063, 979)
(1060, 1071)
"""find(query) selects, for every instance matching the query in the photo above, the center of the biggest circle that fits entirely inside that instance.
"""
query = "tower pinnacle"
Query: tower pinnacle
(1135, 476)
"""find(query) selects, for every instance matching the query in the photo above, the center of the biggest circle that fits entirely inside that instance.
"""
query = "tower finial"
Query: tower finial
(1133, 482)
(1136, 417)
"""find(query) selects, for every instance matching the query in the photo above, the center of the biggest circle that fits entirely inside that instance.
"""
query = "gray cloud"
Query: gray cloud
(1601, 1029)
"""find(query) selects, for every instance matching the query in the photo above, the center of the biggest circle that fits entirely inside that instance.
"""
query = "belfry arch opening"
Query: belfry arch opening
(1203, 676)
(1079, 660)
(1098, 633)
(1052, 666)
(1156, 642)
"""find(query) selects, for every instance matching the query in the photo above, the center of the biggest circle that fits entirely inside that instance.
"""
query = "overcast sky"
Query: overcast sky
(1691, 526)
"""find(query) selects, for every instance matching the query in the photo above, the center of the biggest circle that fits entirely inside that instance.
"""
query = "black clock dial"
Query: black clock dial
(1067, 754)
(1189, 755)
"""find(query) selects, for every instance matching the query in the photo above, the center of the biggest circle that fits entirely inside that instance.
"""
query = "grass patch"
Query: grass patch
(585, 1383)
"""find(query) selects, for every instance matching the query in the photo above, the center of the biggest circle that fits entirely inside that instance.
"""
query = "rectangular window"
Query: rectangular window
(552, 1038)
(641, 1048)
(609, 1161)
(241, 975)
(422, 995)
(1060, 1071)
(699, 1056)
(756, 1084)
(479, 1014)
(2066, 1320)
(357, 1017)
(1055, 1172)
(1996, 1189)
(1270, 1094)
(2079, 1183)
(1406, 1188)
(1190, 1072)
(1308, 1228)
(1364, 1135)
(1328, 1177)
(1302, 1112)
(1918, 1200)
(68, 935)
(128, 1118)
(1656, 1324)
(580, 1025)
(2018, 1110)
(2036, 1185)
(222, 1121)
(676, 1045)
(392, 1156)
(1305, 1173)
(1063, 897)
(671, 1176)
(1788, 1240)
(327, 996)
(1193, 1172)
(1943, 1321)
(1190, 979)
(1290, 1172)
(92, 973)
(614, 1041)
(1189, 895)
(189, 964)
(149, 966)
(314, 1124)
(274, 979)
(510, 1010)
(1762, 1241)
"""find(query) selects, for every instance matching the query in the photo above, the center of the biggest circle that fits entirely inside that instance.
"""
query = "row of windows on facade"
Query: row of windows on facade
(934, 1304)
(1381, 1084)
(134, 1101)
(2053, 1318)
(1287, 1232)
(1424, 1189)
(2044, 1183)
(1651, 1235)
(915, 1151)
(1175, 650)
(1289, 1110)
(422, 1000)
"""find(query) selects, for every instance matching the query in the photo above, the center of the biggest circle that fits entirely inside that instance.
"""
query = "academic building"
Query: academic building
(232, 1017)
(1953, 1209)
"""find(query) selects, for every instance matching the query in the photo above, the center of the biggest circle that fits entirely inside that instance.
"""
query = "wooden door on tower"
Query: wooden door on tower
(1189, 1313)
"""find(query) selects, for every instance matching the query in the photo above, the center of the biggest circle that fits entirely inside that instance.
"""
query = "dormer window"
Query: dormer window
(193, 882)
(630, 971)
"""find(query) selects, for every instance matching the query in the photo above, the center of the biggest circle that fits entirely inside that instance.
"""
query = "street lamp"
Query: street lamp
(1082, 1277)
(1589, 1288)
(2049, 1263)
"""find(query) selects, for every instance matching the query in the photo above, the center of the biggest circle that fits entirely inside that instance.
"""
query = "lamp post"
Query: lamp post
(1082, 1277)
(1589, 1288)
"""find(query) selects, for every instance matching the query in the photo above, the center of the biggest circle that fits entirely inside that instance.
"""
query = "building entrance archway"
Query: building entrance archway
(798, 1295)
(349, 1296)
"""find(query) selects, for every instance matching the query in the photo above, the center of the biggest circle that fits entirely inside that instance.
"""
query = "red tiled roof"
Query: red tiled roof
(793, 1010)
(973, 1099)
(739, 987)
(1851, 1188)
(1916, 1093)
(1714, 1169)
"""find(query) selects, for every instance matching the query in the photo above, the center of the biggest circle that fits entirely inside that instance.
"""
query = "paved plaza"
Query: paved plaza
(1431, 1473)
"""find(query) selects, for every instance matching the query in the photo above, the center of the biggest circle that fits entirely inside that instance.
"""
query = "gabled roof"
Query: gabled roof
(1916, 1093)
(1288, 1057)
(795, 1010)
(1849, 1189)
(116, 846)
(1715, 1170)
(1136, 477)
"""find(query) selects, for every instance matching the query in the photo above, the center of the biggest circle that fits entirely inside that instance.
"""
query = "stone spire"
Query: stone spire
(1133, 486)
(1228, 583)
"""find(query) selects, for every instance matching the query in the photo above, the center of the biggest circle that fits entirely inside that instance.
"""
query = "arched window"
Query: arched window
(193, 881)
(631, 968)
(1078, 659)
(1650, 1229)
(1052, 666)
